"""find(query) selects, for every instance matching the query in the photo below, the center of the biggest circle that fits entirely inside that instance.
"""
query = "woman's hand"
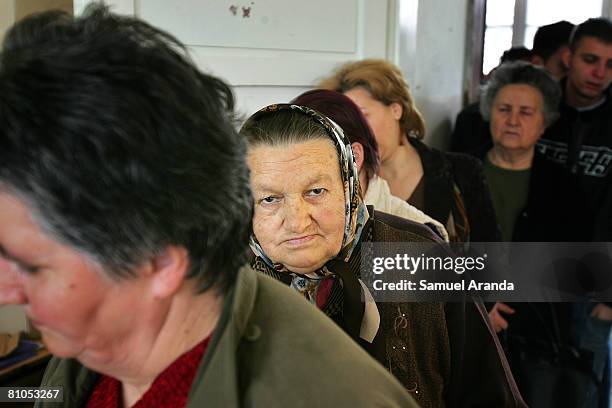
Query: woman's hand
(497, 320)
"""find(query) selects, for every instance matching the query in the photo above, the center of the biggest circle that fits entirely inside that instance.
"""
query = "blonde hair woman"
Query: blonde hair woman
(450, 187)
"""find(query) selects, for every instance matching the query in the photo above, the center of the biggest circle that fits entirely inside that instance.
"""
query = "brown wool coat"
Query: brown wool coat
(452, 356)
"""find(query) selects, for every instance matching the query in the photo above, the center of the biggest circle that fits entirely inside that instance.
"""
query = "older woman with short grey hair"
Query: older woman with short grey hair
(520, 72)
(519, 102)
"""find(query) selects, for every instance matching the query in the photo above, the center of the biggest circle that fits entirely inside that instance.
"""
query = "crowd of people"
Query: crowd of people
(169, 259)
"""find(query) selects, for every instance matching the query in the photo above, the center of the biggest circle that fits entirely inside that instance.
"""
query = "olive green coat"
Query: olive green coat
(270, 349)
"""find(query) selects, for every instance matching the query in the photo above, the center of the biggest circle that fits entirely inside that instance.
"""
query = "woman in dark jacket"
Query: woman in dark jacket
(449, 187)
(520, 102)
(308, 228)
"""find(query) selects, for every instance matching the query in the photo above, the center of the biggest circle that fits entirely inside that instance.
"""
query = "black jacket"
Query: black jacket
(554, 211)
(471, 134)
(442, 171)
(580, 144)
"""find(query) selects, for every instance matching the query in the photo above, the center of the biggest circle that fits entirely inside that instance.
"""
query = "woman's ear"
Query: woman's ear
(396, 110)
(358, 154)
(169, 270)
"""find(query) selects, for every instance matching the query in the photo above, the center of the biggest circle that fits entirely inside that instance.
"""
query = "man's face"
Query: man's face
(590, 70)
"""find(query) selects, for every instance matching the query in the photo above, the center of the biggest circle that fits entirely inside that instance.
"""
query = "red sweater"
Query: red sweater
(170, 388)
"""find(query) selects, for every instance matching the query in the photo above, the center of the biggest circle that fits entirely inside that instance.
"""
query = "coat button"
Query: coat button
(253, 332)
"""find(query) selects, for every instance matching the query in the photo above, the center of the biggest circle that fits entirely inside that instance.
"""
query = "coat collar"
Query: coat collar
(603, 105)
(216, 383)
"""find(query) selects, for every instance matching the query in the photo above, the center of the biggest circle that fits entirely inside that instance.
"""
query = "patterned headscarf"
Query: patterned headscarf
(355, 211)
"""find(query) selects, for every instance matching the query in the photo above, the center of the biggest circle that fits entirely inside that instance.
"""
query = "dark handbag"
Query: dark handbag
(550, 373)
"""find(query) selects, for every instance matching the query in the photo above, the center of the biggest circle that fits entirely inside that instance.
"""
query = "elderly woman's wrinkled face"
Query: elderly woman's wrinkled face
(299, 203)
(517, 117)
(74, 306)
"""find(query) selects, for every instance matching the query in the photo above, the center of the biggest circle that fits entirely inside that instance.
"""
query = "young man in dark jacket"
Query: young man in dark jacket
(581, 140)
(580, 144)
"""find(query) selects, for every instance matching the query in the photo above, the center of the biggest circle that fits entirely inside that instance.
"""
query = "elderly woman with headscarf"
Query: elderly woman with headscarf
(124, 230)
(308, 229)
(375, 189)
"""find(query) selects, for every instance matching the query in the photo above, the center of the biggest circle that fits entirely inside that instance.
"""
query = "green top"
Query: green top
(509, 191)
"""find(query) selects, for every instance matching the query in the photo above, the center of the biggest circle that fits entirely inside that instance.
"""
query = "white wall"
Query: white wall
(282, 49)
(12, 10)
(12, 319)
(251, 98)
(425, 37)
(7, 15)
(607, 8)
(433, 61)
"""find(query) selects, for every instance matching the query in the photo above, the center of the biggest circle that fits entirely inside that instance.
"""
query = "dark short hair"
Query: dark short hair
(516, 54)
(121, 146)
(346, 114)
(549, 38)
(523, 73)
(600, 28)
